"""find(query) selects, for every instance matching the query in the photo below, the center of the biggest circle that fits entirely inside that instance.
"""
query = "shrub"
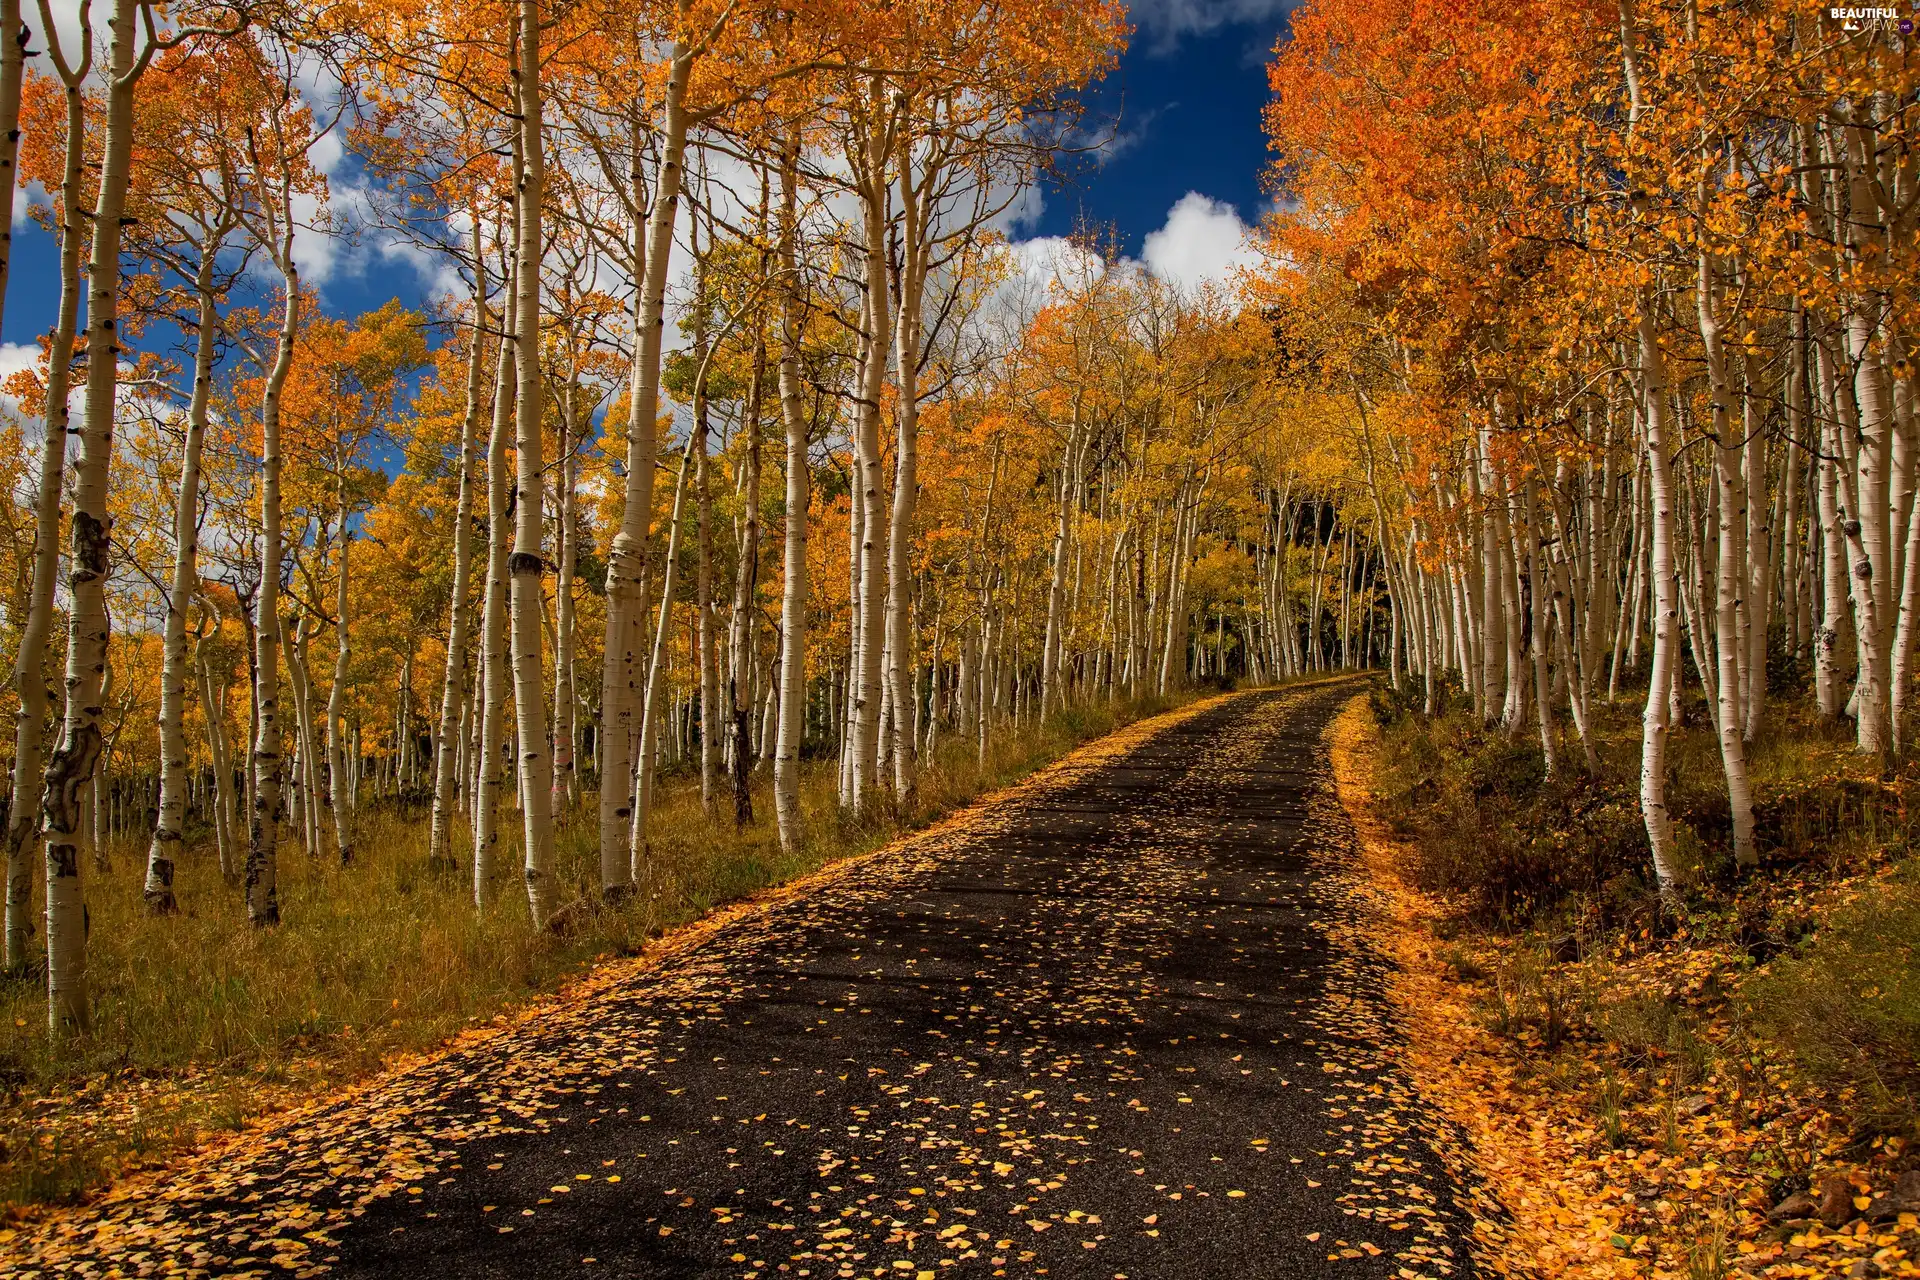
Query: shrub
(1491, 827)
(1648, 1029)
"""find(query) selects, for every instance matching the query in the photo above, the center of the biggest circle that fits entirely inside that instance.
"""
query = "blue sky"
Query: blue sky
(1188, 96)
(1179, 181)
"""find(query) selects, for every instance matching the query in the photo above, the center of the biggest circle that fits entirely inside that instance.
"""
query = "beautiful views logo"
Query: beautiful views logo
(1865, 19)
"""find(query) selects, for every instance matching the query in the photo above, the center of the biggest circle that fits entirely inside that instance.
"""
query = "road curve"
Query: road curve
(1120, 1023)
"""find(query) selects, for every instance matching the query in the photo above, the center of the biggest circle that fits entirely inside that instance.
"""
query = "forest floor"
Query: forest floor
(1729, 1097)
(1128, 1020)
(204, 1026)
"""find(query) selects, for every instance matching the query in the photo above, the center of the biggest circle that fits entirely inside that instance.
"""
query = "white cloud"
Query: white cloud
(1045, 259)
(23, 201)
(1023, 210)
(348, 239)
(327, 152)
(66, 24)
(316, 247)
(1202, 240)
(15, 356)
(1163, 23)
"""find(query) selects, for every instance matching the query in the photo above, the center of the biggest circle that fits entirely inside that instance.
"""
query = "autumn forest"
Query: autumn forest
(747, 496)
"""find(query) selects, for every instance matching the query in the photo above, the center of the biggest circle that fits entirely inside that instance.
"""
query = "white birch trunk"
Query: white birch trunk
(793, 602)
(525, 564)
(166, 842)
(626, 560)
(339, 795)
(864, 748)
(262, 869)
(448, 740)
(222, 807)
(493, 632)
(1730, 577)
(742, 647)
(650, 712)
(73, 762)
(23, 802)
(565, 688)
(705, 657)
(1653, 752)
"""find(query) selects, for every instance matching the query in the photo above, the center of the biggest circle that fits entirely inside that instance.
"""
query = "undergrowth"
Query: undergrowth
(1735, 1076)
(1848, 1003)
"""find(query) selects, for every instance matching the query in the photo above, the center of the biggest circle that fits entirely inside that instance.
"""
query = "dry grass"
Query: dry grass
(201, 1022)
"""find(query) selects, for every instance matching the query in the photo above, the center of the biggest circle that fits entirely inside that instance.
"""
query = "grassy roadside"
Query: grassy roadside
(204, 1025)
(1731, 1097)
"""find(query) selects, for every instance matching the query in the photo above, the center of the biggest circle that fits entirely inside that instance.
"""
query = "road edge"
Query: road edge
(1527, 1220)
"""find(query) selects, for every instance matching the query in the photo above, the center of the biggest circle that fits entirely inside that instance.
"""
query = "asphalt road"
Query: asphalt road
(1119, 1024)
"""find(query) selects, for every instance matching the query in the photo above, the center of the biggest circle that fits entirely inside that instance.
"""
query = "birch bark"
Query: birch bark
(741, 641)
(565, 692)
(339, 794)
(447, 741)
(525, 564)
(865, 744)
(626, 561)
(1730, 721)
(493, 630)
(650, 709)
(1654, 722)
(262, 870)
(167, 837)
(793, 603)
(23, 804)
(72, 763)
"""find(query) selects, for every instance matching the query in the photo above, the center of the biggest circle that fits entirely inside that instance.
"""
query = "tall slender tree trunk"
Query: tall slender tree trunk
(1492, 632)
(565, 689)
(1064, 493)
(742, 647)
(626, 561)
(493, 631)
(72, 763)
(221, 760)
(447, 740)
(1666, 619)
(705, 658)
(793, 601)
(262, 870)
(1730, 578)
(1760, 544)
(306, 774)
(916, 246)
(1904, 635)
(864, 748)
(650, 712)
(1870, 510)
(173, 675)
(339, 795)
(29, 678)
(1537, 580)
(525, 564)
(1833, 600)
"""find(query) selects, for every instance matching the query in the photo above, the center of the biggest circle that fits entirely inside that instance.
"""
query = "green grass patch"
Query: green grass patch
(1847, 1004)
